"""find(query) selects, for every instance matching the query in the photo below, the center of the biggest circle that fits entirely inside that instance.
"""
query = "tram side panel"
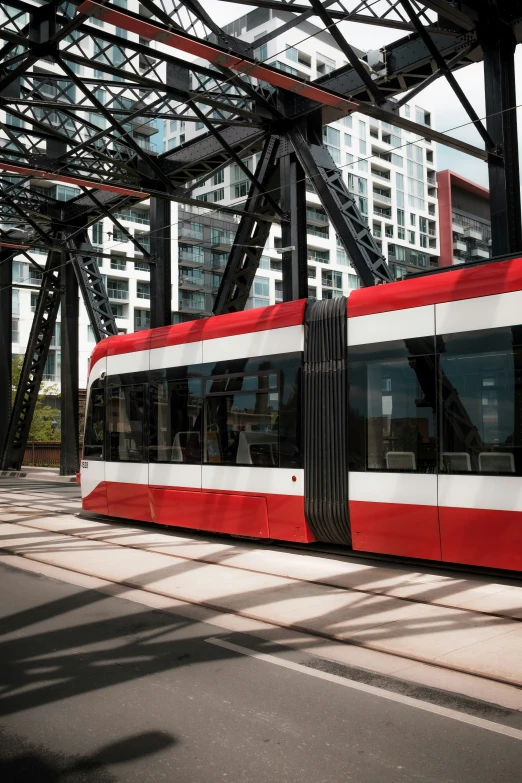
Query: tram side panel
(480, 477)
(392, 433)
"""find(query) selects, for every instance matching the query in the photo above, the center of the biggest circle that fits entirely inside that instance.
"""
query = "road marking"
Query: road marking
(445, 712)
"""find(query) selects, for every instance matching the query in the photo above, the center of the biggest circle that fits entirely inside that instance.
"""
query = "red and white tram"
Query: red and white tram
(391, 421)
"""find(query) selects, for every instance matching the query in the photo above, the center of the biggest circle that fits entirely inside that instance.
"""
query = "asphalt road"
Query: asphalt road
(96, 689)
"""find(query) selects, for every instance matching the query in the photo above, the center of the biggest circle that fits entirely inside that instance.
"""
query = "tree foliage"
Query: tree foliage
(46, 419)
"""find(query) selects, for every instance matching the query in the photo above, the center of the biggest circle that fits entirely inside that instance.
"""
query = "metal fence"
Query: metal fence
(44, 454)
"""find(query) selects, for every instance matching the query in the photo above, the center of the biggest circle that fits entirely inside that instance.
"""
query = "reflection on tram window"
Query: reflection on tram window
(125, 423)
(392, 414)
(95, 423)
(176, 421)
(242, 427)
(480, 400)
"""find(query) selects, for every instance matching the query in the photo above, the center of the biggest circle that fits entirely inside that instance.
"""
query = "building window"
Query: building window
(97, 234)
(118, 310)
(118, 289)
(15, 299)
(291, 53)
(261, 286)
(143, 290)
(90, 334)
(218, 177)
(347, 140)
(141, 319)
(118, 263)
(139, 266)
(15, 330)
(241, 189)
(411, 237)
(34, 301)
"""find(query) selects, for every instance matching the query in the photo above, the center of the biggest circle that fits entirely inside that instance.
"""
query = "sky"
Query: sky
(439, 98)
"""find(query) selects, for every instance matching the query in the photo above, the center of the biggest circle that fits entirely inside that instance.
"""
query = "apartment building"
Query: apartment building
(391, 173)
(465, 221)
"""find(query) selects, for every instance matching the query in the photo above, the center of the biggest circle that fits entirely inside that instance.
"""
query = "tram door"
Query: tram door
(175, 424)
(393, 435)
(126, 467)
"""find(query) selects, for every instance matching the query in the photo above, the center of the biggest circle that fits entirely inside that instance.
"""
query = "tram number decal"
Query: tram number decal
(85, 464)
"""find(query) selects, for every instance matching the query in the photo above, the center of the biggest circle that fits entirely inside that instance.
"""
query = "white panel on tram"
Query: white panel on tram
(394, 325)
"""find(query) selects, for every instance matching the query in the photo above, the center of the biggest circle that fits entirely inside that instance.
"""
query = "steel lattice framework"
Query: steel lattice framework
(77, 130)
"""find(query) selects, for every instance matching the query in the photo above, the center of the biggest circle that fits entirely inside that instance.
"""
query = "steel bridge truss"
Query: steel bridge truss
(73, 95)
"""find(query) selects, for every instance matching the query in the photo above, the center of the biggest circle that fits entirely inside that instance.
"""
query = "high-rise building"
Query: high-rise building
(391, 173)
(465, 221)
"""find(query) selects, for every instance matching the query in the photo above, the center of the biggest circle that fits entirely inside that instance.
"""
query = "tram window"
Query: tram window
(176, 421)
(289, 420)
(480, 402)
(241, 425)
(95, 422)
(392, 414)
(125, 423)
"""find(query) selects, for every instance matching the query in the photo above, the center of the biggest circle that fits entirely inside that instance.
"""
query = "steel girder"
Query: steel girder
(251, 235)
(37, 350)
(6, 340)
(53, 127)
(55, 282)
(352, 229)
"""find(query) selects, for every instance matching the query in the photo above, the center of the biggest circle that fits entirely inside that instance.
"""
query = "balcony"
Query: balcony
(472, 233)
(380, 197)
(120, 294)
(191, 282)
(480, 252)
(190, 259)
(219, 263)
(457, 228)
(459, 245)
(316, 217)
(315, 232)
(192, 304)
(384, 213)
(381, 174)
(191, 235)
(222, 240)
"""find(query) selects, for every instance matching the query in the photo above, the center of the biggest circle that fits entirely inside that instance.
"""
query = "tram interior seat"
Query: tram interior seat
(496, 462)
(401, 460)
(457, 461)
(258, 448)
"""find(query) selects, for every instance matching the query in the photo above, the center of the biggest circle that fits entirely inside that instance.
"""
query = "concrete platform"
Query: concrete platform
(470, 626)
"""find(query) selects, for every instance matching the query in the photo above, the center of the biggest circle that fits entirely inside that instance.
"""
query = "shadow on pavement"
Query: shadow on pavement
(24, 762)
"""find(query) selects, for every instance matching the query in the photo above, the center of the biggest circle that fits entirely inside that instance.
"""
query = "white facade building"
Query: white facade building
(391, 175)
